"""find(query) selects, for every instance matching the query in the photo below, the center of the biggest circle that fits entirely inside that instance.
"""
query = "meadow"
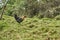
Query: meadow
(30, 29)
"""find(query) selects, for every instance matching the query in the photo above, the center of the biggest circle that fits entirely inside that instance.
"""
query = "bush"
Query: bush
(3, 25)
(57, 17)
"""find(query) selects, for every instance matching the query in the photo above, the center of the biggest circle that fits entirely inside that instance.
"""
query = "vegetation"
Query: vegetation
(29, 29)
(42, 22)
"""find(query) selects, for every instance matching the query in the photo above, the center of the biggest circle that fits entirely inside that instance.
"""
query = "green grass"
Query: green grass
(29, 29)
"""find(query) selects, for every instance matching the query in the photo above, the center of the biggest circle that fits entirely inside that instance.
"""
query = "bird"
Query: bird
(19, 19)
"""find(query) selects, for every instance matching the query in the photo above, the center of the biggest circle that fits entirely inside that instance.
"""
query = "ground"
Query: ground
(29, 29)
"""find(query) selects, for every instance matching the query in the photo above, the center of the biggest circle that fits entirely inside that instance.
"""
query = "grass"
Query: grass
(29, 29)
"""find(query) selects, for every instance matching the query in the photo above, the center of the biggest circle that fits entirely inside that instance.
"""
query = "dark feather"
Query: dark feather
(18, 19)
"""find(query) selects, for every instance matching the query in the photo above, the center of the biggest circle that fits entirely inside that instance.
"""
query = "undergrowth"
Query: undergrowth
(29, 29)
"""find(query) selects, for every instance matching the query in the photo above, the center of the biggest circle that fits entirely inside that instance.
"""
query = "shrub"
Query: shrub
(57, 17)
(3, 25)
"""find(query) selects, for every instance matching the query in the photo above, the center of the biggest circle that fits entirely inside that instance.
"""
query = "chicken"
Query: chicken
(19, 19)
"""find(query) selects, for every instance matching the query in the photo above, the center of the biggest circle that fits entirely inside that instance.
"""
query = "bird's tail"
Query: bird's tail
(15, 16)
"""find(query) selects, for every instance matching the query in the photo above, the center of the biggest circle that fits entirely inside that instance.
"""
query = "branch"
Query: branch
(3, 8)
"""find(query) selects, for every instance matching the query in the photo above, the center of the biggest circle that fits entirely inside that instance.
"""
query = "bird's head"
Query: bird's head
(23, 17)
